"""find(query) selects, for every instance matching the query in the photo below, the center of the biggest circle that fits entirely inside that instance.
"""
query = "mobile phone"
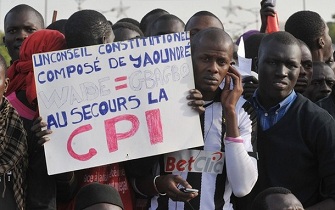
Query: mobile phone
(189, 190)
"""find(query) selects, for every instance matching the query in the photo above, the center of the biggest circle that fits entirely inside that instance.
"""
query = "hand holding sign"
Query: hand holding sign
(39, 128)
(196, 101)
(117, 101)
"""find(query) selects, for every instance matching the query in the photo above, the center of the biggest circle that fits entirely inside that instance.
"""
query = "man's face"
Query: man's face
(211, 62)
(166, 27)
(306, 70)
(278, 71)
(283, 202)
(3, 82)
(18, 26)
(322, 82)
(198, 23)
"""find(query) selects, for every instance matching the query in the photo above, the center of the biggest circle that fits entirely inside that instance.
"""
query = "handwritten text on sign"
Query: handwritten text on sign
(115, 102)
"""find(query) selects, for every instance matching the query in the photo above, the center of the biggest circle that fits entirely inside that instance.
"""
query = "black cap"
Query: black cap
(95, 193)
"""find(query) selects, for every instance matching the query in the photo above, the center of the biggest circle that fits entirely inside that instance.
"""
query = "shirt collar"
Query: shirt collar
(283, 103)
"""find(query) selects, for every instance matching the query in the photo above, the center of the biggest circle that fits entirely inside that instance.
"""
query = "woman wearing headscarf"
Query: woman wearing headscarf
(21, 72)
(21, 92)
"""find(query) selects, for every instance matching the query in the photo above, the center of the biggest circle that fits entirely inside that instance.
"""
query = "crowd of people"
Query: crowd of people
(274, 127)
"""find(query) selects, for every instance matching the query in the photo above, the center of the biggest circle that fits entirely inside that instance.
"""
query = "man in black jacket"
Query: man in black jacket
(296, 144)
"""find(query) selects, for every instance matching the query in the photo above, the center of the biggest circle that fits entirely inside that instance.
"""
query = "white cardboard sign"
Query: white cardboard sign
(116, 102)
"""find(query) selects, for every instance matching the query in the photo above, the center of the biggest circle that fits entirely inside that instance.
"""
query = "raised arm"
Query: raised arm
(241, 168)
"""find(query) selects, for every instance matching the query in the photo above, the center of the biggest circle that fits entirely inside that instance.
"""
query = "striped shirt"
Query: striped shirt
(215, 190)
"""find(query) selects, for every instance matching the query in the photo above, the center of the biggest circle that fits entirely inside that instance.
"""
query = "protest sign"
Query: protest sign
(116, 102)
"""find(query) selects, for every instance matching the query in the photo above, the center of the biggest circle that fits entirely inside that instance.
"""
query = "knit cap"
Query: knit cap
(95, 193)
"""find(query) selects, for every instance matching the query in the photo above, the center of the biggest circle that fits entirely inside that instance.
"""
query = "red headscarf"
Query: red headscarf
(21, 72)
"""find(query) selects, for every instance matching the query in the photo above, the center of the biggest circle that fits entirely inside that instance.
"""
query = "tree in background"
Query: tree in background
(331, 26)
(3, 49)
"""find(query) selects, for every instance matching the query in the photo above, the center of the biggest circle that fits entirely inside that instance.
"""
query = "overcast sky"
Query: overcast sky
(236, 22)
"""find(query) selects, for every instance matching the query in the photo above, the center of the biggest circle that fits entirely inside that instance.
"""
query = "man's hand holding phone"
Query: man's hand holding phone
(229, 97)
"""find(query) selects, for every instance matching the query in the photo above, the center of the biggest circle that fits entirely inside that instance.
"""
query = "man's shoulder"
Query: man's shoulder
(308, 109)
(326, 102)
(302, 101)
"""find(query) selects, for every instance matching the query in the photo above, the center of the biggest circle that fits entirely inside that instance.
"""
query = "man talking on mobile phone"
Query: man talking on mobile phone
(222, 167)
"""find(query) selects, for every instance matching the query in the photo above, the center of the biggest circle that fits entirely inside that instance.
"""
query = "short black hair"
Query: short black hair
(23, 7)
(95, 193)
(85, 28)
(145, 20)
(58, 25)
(203, 13)
(302, 43)
(259, 202)
(307, 26)
(129, 20)
(130, 26)
(214, 34)
(281, 37)
(168, 17)
(251, 45)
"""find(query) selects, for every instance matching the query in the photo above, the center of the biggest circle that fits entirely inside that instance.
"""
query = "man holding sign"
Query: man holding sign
(103, 101)
(222, 166)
